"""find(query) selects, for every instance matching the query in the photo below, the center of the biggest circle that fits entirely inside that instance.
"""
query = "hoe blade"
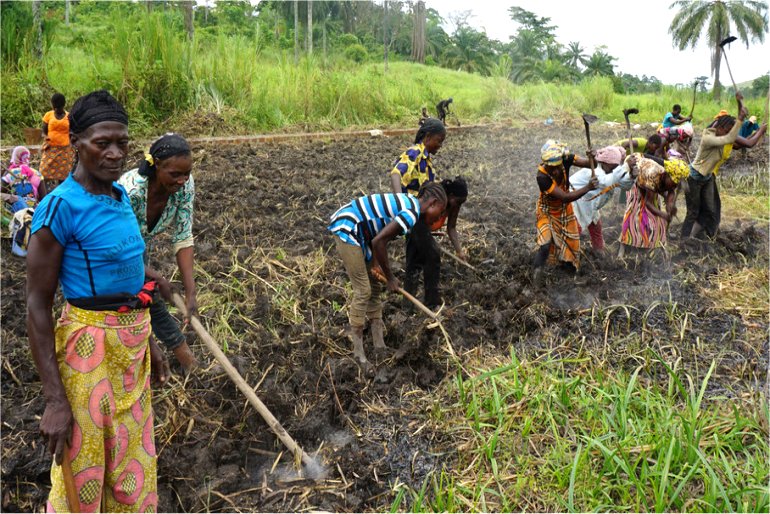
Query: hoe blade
(727, 41)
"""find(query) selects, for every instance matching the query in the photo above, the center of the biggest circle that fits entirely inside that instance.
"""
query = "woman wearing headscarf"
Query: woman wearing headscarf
(162, 194)
(610, 173)
(645, 224)
(411, 170)
(95, 364)
(558, 232)
(704, 207)
(57, 155)
(23, 187)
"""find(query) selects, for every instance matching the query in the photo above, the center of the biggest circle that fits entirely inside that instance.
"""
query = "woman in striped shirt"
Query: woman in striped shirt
(364, 228)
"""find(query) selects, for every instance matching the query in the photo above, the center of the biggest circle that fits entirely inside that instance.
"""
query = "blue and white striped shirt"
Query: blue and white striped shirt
(362, 219)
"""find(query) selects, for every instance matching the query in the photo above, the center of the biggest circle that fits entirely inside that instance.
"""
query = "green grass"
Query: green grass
(573, 435)
(162, 78)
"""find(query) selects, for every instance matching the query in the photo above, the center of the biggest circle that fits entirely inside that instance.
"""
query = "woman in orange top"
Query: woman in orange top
(58, 156)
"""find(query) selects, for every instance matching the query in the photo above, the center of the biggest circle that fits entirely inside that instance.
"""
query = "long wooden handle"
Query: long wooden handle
(694, 91)
(244, 387)
(456, 258)
(379, 276)
(603, 191)
(73, 499)
(419, 304)
(588, 139)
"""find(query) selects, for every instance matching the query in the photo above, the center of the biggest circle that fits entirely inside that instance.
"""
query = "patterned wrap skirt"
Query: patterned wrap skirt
(556, 224)
(56, 161)
(104, 364)
(641, 228)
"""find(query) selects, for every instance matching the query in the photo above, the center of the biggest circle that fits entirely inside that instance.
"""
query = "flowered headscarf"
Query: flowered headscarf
(677, 169)
(19, 157)
(552, 153)
(20, 164)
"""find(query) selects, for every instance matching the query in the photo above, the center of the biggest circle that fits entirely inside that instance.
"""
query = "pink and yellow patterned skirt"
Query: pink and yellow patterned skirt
(104, 364)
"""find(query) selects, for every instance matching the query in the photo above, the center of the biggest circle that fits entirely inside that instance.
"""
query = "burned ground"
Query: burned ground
(272, 291)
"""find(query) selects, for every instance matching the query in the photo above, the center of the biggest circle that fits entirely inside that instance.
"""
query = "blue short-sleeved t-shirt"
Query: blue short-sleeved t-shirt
(103, 247)
(667, 119)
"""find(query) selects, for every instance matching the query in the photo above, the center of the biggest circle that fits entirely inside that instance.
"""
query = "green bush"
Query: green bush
(356, 52)
(25, 99)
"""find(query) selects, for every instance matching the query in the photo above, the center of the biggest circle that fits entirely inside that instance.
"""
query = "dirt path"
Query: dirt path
(272, 290)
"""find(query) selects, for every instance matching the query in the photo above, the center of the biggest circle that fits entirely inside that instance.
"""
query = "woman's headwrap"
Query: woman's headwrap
(721, 113)
(95, 108)
(19, 157)
(685, 130)
(20, 162)
(613, 155)
(677, 169)
(552, 153)
(167, 145)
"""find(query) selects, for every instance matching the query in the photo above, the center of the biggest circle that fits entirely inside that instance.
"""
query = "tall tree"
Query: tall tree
(309, 28)
(575, 54)
(471, 51)
(296, 31)
(385, 35)
(187, 6)
(716, 18)
(600, 63)
(419, 33)
(67, 12)
(38, 25)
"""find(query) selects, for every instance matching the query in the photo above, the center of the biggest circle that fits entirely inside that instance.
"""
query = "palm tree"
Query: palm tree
(716, 18)
(471, 51)
(600, 63)
(574, 54)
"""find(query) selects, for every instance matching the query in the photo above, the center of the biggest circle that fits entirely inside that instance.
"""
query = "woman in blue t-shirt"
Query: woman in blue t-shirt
(94, 365)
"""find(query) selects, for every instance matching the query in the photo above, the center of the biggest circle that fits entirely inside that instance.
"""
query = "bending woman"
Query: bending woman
(412, 170)
(95, 364)
(162, 194)
(363, 229)
(645, 224)
(558, 232)
(704, 207)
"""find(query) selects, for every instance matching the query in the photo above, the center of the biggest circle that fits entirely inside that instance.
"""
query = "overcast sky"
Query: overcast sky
(634, 32)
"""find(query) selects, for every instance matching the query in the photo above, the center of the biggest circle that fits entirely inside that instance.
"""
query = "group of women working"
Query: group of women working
(92, 235)
(659, 166)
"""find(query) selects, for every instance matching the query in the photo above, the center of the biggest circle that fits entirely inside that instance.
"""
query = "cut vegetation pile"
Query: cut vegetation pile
(643, 390)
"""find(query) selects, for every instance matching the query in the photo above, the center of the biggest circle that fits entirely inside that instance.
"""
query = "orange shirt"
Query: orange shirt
(58, 130)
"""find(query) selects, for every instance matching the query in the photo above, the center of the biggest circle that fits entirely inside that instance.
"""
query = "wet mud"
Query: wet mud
(272, 289)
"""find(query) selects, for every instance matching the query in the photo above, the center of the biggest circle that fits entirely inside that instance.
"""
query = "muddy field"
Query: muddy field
(272, 290)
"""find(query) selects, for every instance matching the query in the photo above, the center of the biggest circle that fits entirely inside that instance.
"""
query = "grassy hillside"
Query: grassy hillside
(231, 84)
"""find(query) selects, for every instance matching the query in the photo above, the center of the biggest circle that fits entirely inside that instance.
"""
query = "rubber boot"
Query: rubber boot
(185, 357)
(356, 335)
(377, 326)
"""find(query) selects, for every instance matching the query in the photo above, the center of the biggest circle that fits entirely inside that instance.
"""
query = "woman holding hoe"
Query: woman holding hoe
(162, 193)
(558, 232)
(704, 208)
(413, 169)
(94, 365)
(363, 229)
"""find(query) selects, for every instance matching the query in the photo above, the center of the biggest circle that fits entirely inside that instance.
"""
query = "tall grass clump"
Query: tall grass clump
(573, 436)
